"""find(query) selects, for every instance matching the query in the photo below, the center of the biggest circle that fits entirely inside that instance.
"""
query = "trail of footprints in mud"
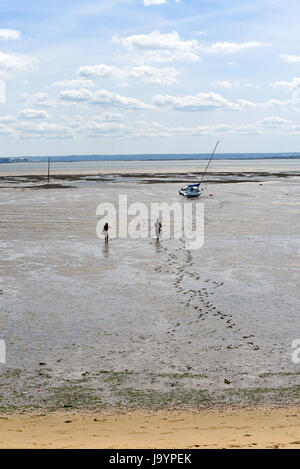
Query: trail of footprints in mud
(204, 307)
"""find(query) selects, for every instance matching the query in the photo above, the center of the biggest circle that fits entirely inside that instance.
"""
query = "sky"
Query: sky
(149, 76)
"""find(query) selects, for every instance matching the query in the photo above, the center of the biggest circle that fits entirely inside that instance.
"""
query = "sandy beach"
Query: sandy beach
(136, 326)
(231, 429)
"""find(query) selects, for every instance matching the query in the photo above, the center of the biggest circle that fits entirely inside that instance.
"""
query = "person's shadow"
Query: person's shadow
(157, 246)
(105, 250)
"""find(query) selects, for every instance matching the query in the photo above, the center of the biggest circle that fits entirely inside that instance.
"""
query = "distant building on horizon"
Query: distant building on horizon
(20, 159)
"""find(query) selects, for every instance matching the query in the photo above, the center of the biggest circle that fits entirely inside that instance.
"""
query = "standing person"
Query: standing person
(158, 227)
(105, 231)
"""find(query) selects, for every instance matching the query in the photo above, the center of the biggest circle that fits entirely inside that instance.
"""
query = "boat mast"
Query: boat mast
(48, 176)
(211, 156)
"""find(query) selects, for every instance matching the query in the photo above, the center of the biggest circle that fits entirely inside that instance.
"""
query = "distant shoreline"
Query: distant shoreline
(149, 157)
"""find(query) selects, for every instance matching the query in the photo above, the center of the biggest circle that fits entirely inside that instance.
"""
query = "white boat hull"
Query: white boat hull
(187, 193)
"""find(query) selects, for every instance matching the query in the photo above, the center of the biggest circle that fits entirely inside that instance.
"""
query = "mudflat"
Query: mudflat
(136, 324)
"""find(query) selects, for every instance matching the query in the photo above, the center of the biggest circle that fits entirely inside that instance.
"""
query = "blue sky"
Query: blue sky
(149, 76)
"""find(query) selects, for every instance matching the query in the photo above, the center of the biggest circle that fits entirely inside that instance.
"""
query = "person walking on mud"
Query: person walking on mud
(105, 232)
(158, 227)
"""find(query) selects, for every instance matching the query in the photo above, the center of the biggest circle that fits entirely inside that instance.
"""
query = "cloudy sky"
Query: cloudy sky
(149, 76)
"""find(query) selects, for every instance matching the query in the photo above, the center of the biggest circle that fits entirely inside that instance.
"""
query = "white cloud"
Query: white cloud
(292, 86)
(33, 114)
(291, 59)
(102, 97)
(112, 117)
(37, 99)
(7, 119)
(76, 95)
(243, 103)
(109, 98)
(233, 47)
(44, 130)
(200, 102)
(7, 131)
(94, 128)
(100, 127)
(213, 101)
(42, 100)
(80, 83)
(108, 117)
(202, 130)
(11, 64)
(157, 47)
(279, 103)
(105, 125)
(154, 2)
(251, 85)
(148, 3)
(2, 91)
(200, 33)
(287, 85)
(271, 125)
(162, 76)
(224, 84)
(9, 34)
(274, 122)
(143, 128)
(78, 120)
(248, 129)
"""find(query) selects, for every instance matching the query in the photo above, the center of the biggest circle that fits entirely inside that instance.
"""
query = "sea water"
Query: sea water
(114, 165)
